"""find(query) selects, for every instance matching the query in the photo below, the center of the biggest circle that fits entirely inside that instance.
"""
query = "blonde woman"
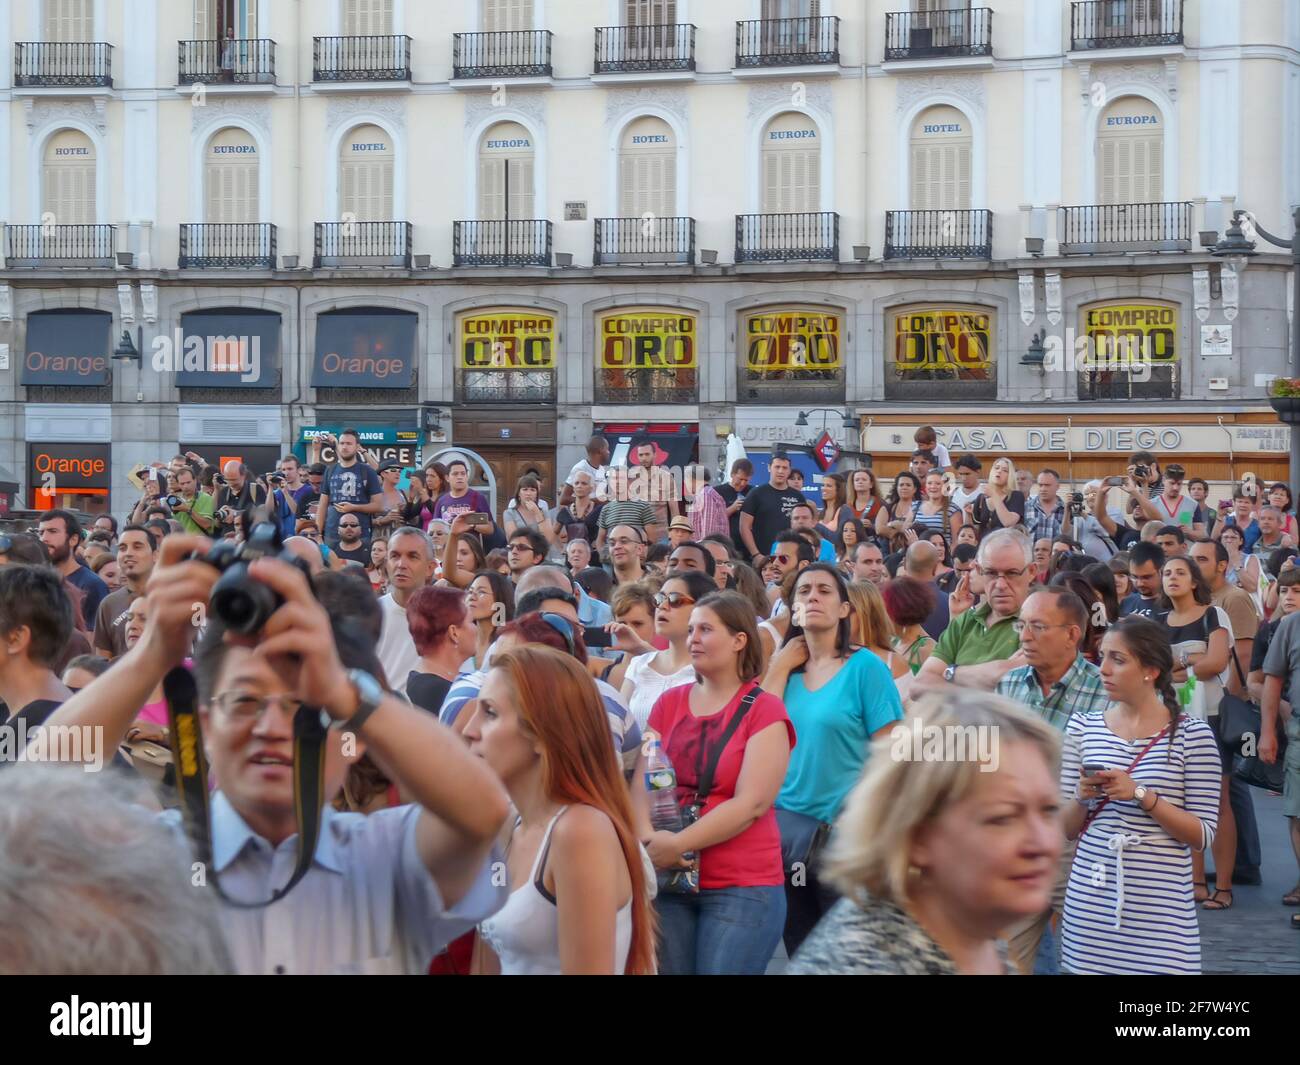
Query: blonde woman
(869, 622)
(935, 858)
(1002, 505)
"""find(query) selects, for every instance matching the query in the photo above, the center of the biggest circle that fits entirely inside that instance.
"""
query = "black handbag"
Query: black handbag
(687, 881)
(802, 839)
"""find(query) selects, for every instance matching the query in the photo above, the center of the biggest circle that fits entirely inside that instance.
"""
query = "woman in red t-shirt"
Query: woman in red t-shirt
(734, 923)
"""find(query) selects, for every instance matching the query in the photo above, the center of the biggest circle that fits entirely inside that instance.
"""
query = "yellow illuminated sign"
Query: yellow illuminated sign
(792, 339)
(507, 338)
(646, 338)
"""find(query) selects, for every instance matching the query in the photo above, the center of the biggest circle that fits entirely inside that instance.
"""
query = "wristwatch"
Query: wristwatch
(369, 695)
(950, 674)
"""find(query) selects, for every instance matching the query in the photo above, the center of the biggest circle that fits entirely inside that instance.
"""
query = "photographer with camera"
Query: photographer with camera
(386, 891)
(195, 510)
(239, 493)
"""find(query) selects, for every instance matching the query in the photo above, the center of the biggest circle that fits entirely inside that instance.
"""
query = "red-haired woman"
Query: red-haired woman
(580, 895)
(444, 636)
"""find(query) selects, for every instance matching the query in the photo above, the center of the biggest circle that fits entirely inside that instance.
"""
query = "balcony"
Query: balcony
(1125, 24)
(916, 35)
(505, 54)
(73, 245)
(939, 234)
(644, 240)
(645, 49)
(501, 242)
(788, 42)
(227, 245)
(230, 62)
(56, 64)
(363, 244)
(378, 58)
(1125, 227)
(811, 236)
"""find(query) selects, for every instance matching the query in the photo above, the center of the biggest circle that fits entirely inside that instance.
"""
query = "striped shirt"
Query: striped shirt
(1079, 691)
(1129, 906)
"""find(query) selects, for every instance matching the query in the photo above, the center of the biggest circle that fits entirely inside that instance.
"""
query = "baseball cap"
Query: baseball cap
(681, 523)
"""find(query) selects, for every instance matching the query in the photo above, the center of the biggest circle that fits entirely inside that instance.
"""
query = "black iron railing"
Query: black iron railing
(60, 245)
(926, 34)
(501, 242)
(238, 62)
(1125, 23)
(801, 237)
(385, 57)
(627, 49)
(363, 244)
(63, 63)
(1126, 227)
(506, 386)
(784, 42)
(217, 245)
(506, 53)
(644, 240)
(938, 234)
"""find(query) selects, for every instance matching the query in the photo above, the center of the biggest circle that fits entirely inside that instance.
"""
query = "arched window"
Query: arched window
(940, 161)
(791, 162)
(69, 20)
(230, 178)
(366, 175)
(505, 155)
(367, 18)
(68, 179)
(647, 169)
(1130, 153)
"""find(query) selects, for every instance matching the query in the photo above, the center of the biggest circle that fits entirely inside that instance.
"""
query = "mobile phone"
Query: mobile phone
(478, 518)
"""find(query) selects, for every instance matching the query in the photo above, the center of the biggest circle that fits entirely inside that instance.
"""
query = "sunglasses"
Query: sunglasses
(562, 625)
(674, 599)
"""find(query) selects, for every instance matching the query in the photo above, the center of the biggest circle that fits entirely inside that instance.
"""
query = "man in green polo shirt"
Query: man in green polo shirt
(195, 509)
(980, 643)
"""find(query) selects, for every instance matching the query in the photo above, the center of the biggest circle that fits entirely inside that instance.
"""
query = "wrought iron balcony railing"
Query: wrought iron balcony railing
(801, 237)
(965, 31)
(221, 245)
(628, 49)
(385, 57)
(63, 64)
(964, 234)
(239, 62)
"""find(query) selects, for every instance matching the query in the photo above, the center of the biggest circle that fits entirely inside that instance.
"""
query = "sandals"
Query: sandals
(1197, 887)
(1213, 903)
(1292, 897)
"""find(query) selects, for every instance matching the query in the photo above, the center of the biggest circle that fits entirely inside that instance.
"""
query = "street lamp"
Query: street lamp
(1236, 249)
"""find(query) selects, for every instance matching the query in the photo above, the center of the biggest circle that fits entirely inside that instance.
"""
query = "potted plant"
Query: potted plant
(1284, 398)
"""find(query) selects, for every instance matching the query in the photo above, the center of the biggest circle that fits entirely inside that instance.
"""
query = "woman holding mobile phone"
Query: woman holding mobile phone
(1140, 820)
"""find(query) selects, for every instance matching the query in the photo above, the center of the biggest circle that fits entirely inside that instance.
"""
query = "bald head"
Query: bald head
(922, 560)
(306, 550)
(543, 577)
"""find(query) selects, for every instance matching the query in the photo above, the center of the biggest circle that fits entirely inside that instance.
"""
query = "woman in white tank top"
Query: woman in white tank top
(648, 676)
(580, 900)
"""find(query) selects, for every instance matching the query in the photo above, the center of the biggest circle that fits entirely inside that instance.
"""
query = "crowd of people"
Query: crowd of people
(659, 722)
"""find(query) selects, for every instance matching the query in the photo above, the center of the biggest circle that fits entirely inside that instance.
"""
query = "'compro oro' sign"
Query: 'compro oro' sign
(791, 340)
(506, 338)
(646, 338)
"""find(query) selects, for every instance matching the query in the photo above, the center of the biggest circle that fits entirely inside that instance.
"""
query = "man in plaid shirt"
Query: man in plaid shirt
(708, 510)
(1057, 683)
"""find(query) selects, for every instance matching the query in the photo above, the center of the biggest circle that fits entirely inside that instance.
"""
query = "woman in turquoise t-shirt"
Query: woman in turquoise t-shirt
(839, 698)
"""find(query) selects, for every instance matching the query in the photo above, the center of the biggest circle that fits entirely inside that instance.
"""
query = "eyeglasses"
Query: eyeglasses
(674, 599)
(1004, 575)
(1036, 627)
(564, 627)
(244, 706)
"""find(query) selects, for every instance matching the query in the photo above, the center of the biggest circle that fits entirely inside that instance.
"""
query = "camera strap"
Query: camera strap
(309, 732)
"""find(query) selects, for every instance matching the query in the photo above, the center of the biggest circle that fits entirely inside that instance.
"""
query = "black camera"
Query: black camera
(242, 603)
(174, 501)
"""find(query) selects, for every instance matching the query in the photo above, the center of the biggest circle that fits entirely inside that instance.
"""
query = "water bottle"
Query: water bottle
(661, 783)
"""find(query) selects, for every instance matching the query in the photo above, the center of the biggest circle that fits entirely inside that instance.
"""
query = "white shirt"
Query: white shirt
(396, 649)
(368, 905)
(598, 476)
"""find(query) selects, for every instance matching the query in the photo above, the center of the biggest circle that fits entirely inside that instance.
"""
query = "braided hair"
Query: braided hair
(1148, 642)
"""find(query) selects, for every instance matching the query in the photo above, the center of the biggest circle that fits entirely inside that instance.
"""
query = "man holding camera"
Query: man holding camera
(398, 884)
